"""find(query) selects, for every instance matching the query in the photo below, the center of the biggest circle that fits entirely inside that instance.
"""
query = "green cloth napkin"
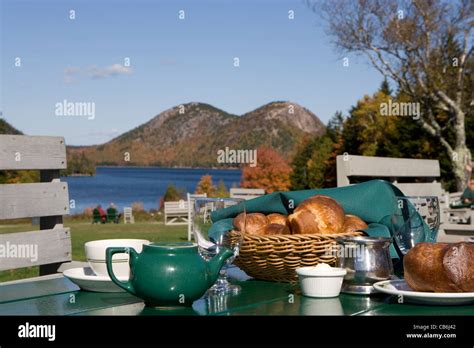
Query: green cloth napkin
(373, 201)
(220, 227)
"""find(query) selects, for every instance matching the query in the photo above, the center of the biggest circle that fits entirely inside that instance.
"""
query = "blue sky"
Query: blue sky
(172, 61)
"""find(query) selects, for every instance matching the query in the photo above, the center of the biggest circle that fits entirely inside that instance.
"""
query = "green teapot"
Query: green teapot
(168, 274)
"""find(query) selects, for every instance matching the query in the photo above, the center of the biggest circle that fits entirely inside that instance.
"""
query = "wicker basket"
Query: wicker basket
(276, 257)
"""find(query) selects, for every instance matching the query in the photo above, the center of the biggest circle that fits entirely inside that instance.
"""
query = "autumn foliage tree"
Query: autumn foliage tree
(271, 173)
(426, 49)
(205, 185)
(368, 133)
(365, 131)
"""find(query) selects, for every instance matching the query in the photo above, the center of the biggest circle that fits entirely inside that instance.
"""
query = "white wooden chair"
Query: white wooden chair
(191, 200)
(459, 215)
(393, 169)
(48, 200)
(460, 221)
(176, 213)
(128, 217)
(246, 193)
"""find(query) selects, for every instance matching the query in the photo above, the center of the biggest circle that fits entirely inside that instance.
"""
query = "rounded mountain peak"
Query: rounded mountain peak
(290, 113)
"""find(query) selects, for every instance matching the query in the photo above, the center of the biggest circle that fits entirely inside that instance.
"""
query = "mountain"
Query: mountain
(190, 135)
(6, 128)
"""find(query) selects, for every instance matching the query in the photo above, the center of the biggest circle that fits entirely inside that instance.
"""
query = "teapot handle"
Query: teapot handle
(109, 253)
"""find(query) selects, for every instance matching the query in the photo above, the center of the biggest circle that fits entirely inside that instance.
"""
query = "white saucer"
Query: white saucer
(401, 288)
(86, 279)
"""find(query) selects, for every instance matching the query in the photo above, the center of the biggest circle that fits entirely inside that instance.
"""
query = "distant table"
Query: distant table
(56, 295)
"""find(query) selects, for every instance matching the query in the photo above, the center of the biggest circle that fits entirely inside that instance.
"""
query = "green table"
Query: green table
(56, 295)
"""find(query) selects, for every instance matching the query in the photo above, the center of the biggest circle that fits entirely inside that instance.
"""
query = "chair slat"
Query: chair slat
(25, 249)
(32, 200)
(32, 152)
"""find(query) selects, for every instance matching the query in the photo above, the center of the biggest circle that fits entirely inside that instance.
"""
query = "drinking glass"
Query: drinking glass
(416, 220)
(211, 237)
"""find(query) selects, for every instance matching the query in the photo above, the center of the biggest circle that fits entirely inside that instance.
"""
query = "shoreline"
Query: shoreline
(79, 174)
(152, 167)
(145, 167)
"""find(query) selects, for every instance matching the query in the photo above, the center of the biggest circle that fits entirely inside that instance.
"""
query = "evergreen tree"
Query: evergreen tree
(318, 163)
(335, 126)
(173, 193)
(221, 190)
(385, 88)
(299, 176)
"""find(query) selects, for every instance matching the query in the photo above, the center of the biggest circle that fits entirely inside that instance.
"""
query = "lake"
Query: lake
(125, 185)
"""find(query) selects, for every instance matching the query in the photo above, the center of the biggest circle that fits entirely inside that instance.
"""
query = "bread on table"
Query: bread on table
(315, 215)
(279, 219)
(272, 229)
(319, 214)
(458, 264)
(303, 222)
(440, 267)
(253, 224)
(353, 223)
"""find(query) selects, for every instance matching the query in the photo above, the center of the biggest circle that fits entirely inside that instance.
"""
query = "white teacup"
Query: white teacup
(95, 254)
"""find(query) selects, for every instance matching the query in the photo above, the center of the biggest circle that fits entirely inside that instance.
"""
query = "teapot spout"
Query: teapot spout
(215, 264)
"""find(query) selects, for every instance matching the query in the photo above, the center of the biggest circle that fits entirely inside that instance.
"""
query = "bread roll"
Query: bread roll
(440, 267)
(423, 268)
(458, 264)
(272, 229)
(303, 222)
(253, 224)
(318, 214)
(279, 219)
(353, 223)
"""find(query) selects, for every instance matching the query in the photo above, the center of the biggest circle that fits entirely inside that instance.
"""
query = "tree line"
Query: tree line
(363, 131)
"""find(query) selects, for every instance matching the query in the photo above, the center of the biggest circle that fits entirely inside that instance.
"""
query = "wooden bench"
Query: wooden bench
(48, 200)
(460, 214)
(394, 169)
(388, 168)
(246, 193)
(176, 213)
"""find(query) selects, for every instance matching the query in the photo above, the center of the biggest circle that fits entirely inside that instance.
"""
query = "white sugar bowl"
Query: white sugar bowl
(321, 280)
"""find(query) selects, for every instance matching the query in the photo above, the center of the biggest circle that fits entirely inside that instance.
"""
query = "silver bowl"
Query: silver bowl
(367, 261)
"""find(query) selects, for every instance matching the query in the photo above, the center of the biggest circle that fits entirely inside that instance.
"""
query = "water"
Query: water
(125, 185)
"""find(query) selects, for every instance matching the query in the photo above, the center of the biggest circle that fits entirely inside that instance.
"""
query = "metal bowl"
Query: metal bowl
(367, 261)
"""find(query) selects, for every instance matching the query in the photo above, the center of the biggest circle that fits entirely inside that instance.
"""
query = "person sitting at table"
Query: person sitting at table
(467, 196)
(112, 215)
(103, 214)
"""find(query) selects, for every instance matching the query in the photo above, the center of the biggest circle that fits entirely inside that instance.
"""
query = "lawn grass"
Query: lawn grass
(82, 232)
